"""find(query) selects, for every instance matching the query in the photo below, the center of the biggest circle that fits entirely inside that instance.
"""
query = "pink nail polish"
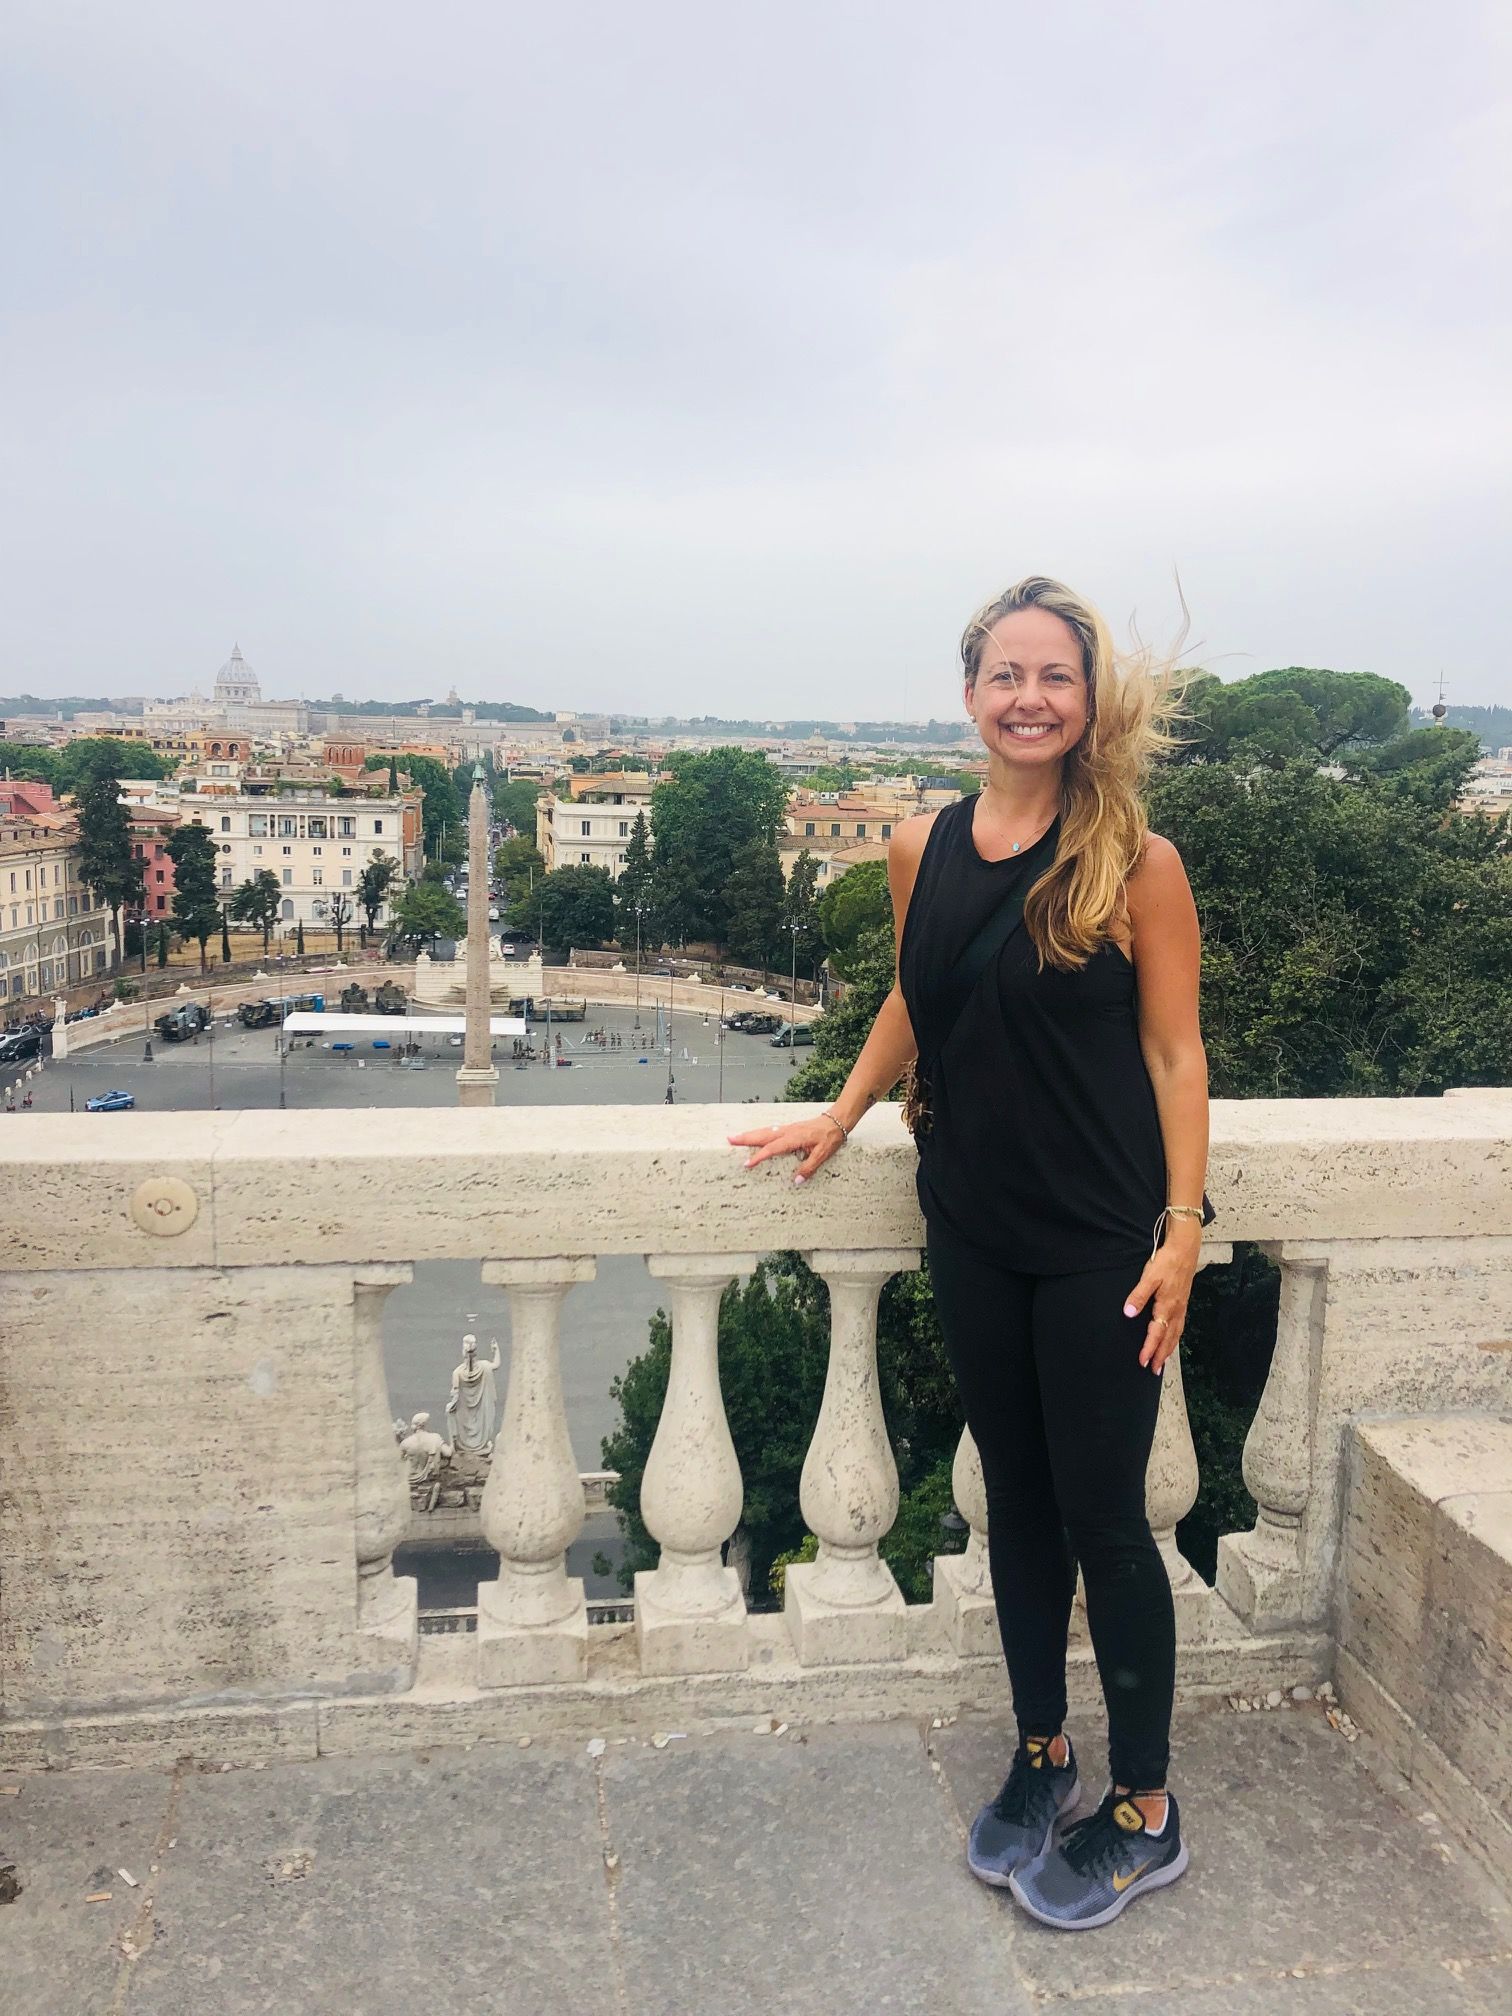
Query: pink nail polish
(800, 1179)
(1130, 1310)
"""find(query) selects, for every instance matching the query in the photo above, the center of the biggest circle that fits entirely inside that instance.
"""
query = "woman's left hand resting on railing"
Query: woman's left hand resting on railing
(815, 1139)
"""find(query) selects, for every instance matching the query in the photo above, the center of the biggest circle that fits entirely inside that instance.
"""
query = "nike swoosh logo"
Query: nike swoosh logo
(1121, 1883)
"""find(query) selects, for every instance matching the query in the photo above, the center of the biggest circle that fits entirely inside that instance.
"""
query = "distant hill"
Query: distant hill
(65, 710)
(1492, 724)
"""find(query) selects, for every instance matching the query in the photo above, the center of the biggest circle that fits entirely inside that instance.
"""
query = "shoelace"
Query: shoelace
(1025, 1783)
(1095, 1844)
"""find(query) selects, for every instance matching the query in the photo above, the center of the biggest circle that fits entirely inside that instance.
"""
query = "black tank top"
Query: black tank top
(1045, 1151)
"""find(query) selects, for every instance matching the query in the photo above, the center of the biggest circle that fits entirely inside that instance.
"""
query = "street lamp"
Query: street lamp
(639, 909)
(794, 927)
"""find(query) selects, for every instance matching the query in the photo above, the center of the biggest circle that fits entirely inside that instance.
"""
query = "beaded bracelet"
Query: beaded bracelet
(844, 1130)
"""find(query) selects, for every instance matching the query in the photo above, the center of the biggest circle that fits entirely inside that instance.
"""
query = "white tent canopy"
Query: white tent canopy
(303, 1023)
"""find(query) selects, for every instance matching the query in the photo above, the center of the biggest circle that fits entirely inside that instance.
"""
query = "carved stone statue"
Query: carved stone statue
(473, 1407)
(423, 1450)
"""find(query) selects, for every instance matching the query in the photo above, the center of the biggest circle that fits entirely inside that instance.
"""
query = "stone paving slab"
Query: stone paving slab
(729, 1874)
(66, 1834)
(1301, 1858)
(767, 1877)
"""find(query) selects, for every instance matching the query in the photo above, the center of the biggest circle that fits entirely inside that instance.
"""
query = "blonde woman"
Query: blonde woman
(1047, 977)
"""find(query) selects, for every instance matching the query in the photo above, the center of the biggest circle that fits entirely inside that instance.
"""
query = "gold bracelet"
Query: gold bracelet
(844, 1130)
(1184, 1211)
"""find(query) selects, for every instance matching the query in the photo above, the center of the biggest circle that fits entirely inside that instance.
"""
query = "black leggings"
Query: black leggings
(1063, 1415)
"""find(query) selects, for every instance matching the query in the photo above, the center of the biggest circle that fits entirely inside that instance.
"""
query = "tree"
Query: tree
(514, 805)
(106, 860)
(754, 899)
(341, 917)
(634, 886)
(225, 938)
(299, 944)
(393, 776)
(442, 813)
(704, 814)
(570, 906)
(107, 756)
(1276, 717)
(162, 945)
(854, 903)
(426, 912)
(373, 885)
(256, 901)
(196, 903)
(800, 908)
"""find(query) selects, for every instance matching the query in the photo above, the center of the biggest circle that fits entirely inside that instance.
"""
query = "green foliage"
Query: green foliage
(225, 939)
(256, 901)
(427, 911)
(443, 811)
(373, 885)
(800, 907)
(106, 860)
(1491, 726)
(1274, 718)
(570, 907)
(162, 946)
(518, 866)
(1356, 936)
(107, 756)
(704, 816)
(754, 906)
(299, 944)
(196, 901)
(844, 1027)
(858, 902)
(35, 765)
(515, 803)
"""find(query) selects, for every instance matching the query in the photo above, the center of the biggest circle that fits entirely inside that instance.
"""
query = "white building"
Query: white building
(591, 827)
(315, 842)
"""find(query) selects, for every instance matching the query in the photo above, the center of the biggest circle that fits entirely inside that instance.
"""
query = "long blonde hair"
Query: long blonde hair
(1133, 702)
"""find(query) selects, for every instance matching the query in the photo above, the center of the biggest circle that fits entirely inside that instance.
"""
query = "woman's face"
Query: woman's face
(1029, 699)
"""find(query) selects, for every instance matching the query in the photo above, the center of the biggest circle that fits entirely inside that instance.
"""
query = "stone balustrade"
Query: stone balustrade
(202, 1494)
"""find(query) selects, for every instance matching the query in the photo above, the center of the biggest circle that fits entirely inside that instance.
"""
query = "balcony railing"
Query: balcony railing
(202, 1493)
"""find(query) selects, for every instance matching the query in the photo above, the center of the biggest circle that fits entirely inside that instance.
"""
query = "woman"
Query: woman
(1067, 1117)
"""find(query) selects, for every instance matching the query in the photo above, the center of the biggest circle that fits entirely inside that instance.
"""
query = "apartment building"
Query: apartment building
(316, 842)
(589, 826)
(54, 931)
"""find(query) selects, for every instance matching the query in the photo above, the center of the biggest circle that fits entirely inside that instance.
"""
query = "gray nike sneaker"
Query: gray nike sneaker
(1018, 1824)
(1101, 1864)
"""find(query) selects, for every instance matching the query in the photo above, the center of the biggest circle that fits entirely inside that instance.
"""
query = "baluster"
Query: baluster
(533, 1622)
(1171, 1482)
(1260, 1572)
(387, 1603)
(845, 1606)
(962, 1582)
(690, 1616)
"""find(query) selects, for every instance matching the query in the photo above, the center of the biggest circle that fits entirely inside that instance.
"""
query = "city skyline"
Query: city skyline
(678, 364)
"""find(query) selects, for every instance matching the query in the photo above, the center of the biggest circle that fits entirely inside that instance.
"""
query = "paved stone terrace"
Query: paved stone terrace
(733, 1874)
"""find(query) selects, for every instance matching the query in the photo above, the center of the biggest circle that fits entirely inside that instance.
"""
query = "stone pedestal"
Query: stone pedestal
(962, 1582)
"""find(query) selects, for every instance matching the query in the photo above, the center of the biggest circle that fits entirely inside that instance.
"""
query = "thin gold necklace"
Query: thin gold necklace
(1019, 845)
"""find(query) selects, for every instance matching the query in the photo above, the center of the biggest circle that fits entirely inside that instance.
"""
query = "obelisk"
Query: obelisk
(477, 1078)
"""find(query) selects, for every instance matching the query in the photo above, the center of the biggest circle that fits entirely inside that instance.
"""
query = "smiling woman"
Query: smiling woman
(1047, 987)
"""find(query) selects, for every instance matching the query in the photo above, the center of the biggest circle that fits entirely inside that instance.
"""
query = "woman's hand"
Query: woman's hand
(1168, 1277)
(815, 1139)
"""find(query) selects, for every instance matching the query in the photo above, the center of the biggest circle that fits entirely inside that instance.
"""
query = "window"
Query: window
(346, 850)
(587, 828)
(317, 850)
(288, 850)
(317, 876)
(288, 828)
(809, 830)
(257, 850)
(347, 828)
(834, 832)
(286, 908)
(346, 878)
(226, 847)
(860, 832)
(158, 875)
(288, 881)
(317, 827)
(225, 878)
(257, 825)
(225, 824)
(886, 829)
(624, 826)
(57, 907)
(587, 860)
(377, 825)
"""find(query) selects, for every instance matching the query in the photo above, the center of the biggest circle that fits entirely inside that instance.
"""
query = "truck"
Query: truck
(257, 1014)
(390, 999)
(180, 1023)
(354, 1000)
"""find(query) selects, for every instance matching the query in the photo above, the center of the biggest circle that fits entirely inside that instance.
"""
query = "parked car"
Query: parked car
(111, 1102)
(793, 1038)
(20, 1046)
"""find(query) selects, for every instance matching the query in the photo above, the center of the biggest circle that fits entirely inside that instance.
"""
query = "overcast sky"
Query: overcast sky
(711, 359)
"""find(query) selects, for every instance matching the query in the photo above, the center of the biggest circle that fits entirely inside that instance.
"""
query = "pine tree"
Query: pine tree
(754, 900)
(225, 939)
(106, 860)
(634, 887)
(196, 905)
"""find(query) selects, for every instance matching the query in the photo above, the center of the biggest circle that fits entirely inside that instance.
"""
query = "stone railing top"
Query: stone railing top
(270, 1189)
